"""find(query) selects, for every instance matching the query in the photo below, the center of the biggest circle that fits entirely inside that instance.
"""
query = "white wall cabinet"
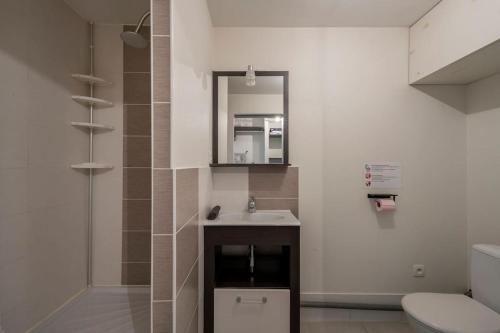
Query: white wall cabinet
(251, 310)
(457, 42)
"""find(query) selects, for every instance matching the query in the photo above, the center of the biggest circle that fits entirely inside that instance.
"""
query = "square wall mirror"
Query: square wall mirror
(250, 119)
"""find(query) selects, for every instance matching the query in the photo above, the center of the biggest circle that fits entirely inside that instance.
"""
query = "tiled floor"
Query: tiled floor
(355, 327)
(353, 321)
(99, 310)
(127, 310)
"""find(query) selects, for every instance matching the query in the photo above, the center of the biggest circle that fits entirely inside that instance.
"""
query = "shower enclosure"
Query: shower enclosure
(75, 166)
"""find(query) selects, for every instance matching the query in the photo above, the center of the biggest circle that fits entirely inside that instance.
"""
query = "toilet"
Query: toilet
(454, 313)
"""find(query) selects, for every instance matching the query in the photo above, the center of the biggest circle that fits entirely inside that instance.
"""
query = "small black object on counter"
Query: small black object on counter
(213, 213)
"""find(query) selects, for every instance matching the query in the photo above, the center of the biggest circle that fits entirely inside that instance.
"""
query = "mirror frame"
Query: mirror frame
(215, 117)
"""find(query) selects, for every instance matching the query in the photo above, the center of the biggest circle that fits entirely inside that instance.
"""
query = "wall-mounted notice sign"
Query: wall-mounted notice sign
(382, 175)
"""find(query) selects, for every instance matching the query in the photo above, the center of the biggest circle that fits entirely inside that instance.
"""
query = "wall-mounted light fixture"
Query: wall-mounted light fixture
(250, 76)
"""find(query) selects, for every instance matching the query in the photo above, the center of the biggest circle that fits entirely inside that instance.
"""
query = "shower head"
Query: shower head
(134, 38)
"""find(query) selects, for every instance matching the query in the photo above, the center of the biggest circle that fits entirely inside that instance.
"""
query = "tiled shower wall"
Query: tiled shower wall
(136, 223)
(163, 178)
(175, 280)
(187, 252)
(175, 203)
(43, 202)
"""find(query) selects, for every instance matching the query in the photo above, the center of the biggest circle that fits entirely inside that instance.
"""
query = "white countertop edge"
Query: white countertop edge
(289, 221)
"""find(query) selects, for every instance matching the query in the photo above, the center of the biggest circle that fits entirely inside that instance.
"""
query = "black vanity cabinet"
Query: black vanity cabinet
(251, 278)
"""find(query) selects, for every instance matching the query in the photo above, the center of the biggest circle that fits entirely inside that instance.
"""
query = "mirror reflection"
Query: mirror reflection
(250, 120)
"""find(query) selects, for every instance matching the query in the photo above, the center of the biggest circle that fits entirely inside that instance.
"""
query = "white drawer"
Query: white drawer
(251, 311)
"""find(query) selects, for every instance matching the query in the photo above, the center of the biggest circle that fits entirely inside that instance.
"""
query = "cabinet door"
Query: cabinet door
(251, 311)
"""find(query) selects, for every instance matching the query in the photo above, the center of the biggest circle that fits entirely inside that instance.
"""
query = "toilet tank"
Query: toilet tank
(485, 275)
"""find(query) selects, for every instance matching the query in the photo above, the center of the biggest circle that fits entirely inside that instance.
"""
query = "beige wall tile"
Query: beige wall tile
(162, 267)
(14, 193)
(137, 183)
(136, 88)
(279, 204)
(273, 182)
(136, 214)
(136, 273)
(193, 326)
(161, 17)
(163, 221)
(186, 250)
(161, 69)
(187, 301)
(137, 120)
(136, 246)
(108, 147)
(162, 317)
(186, 195)
(161, 135)
(136, 151)
(163, 187)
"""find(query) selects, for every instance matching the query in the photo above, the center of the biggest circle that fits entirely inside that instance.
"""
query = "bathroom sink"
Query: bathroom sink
(257, 217)
(271, 218)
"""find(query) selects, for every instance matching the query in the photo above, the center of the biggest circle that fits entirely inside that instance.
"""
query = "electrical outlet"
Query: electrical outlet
(418, 270)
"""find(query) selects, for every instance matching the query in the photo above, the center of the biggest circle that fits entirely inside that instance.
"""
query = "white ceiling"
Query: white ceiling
(110, 11)
(272, 13)
(318, 13)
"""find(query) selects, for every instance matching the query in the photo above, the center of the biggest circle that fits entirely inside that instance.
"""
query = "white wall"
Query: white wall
(350, 102)
(192, 84)
(43, 202)
(108, 148)
(192, 107)
(450, 31)
(483, 161)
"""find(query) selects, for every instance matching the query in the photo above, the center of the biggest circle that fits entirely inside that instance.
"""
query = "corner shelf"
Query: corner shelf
(92, 101)
(92, 125)
(92, 166)
(90, 79)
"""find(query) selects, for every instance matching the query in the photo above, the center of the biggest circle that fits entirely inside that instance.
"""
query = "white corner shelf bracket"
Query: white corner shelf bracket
(92, 103)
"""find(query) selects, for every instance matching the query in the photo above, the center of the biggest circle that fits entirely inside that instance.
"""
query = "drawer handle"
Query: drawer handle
(242, 300)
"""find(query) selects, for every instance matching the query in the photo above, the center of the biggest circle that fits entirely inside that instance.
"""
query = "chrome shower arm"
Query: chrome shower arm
(141, 21)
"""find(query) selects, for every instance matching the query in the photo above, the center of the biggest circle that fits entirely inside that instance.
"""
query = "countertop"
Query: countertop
(282, 218)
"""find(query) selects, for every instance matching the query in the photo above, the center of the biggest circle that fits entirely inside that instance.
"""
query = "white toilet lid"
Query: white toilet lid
(451, 313)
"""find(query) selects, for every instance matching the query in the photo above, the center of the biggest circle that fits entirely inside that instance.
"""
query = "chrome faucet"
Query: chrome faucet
(252, 206)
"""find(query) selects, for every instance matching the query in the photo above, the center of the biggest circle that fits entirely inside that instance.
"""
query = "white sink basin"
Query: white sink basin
(259, 218)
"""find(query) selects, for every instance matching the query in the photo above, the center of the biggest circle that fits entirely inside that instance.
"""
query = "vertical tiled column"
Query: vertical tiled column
(136, 224)
(162, 203)
(187, 254)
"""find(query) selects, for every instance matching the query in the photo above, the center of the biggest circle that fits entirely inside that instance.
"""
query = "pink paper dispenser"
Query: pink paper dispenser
(384, 202)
